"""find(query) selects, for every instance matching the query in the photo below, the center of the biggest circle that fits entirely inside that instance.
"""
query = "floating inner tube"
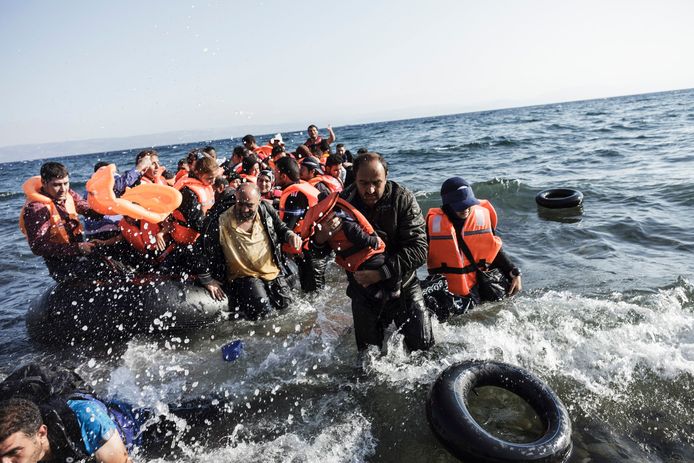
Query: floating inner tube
(76, 312)
(456, 428)
(559, 198)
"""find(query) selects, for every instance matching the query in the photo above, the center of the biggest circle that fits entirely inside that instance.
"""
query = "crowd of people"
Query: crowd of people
(262, 225)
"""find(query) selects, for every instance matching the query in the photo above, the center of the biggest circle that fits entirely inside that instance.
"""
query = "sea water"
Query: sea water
(606, 316)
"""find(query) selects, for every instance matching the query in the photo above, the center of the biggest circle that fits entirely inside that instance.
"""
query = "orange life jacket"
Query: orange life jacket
(179, 175)
(249, 178)
(347, 255)
(57, 232)
(311, 194)
(333, 184)
(182, 234)
(445, 255)
(263, 151)
(142, 235)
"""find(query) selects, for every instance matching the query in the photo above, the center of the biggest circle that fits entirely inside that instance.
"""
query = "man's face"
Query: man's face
(341, 150)
(305, 173)
(20, 448)
(206, 179)
(57, 188)
(281, 179)
(264, 184)
(152, 171)
(371, 182)
(246, 205)
(313, 133)
(333, 170)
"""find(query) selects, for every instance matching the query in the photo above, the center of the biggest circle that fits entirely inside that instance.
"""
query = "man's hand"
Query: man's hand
(86, 247)
(215, 290)
(161, 243)
(294, 240)
(515, 285)
(327, 228)
(367, 277)
(144, 164)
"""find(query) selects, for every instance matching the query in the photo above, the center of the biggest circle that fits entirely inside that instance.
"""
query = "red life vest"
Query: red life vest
(263, 151)
(446, 257)
(182, 234)
(311, 194)
(347, 255)
(333, 184)
(57, 231)
(249, 178)
(180, 175)
(142, 235)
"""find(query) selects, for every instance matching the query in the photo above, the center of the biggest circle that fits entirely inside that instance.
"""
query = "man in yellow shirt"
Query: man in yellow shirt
(239, 255)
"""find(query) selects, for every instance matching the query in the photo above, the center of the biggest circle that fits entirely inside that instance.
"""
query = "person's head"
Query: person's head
(278, 151)
(333, 165)
(277, 140)
(23, 436)
(370, 175)
(55, 180)
(247, 200)
(286, 172)
(220, 184)
(205, 170)
(324, 146)
(340, 149)
(100, 164)
(238, 154)
(251, 165)
(154, 167)
(312, 132)
(302, 151)
(249, 142)
(310, 168)
(266, 180)
(457, 196)
(210, 151)
(234, 180)
(362, 151)
(183, 164)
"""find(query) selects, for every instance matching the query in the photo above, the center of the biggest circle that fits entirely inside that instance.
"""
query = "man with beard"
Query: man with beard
(239, 255)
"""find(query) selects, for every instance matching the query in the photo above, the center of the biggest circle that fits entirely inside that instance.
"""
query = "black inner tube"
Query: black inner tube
(559, 198)
(457, 429)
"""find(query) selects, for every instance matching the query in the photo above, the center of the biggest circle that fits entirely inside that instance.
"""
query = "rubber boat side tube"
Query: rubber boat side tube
(559, 198)
(148, 201)
(82, 312)
(456, 428)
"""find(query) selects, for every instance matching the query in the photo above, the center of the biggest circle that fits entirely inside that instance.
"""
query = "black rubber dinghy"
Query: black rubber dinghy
(77, 312)
(456, 428)
(559, 198)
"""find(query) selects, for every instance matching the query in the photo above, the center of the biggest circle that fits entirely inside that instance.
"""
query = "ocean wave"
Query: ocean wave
(9, 195)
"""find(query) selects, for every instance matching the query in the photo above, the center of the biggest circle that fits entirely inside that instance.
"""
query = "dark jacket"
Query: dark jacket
(209, 257)
(397, 218)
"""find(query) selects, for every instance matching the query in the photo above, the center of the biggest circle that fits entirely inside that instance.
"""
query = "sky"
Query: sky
(83, 70)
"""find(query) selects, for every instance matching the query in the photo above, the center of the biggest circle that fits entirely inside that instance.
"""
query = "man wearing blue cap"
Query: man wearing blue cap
(462, 242)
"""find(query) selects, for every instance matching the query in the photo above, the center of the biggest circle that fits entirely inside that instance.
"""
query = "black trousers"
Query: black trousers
(408, 312)
(312, 271)
(255, 298)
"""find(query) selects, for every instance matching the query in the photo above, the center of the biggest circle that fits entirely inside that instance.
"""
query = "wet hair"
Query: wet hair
(19, 415)
(220, 182)
(233, 176)
(334, 160)
(145, 153)
(240, 151)
(339, 145)
(369, 157)
(289, 167)
(167, 174)
(210, 150)
(302, 151)
(277, 149)
(100, 164)
(52, 170)
(248, 163)
(314, 126)
(181, 162)
(362, 151)
(324, 146)
(205, 166)
(194, 155)
(250, 139)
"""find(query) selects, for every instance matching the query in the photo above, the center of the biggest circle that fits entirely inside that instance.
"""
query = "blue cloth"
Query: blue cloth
(128, 179)
(96, 425)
